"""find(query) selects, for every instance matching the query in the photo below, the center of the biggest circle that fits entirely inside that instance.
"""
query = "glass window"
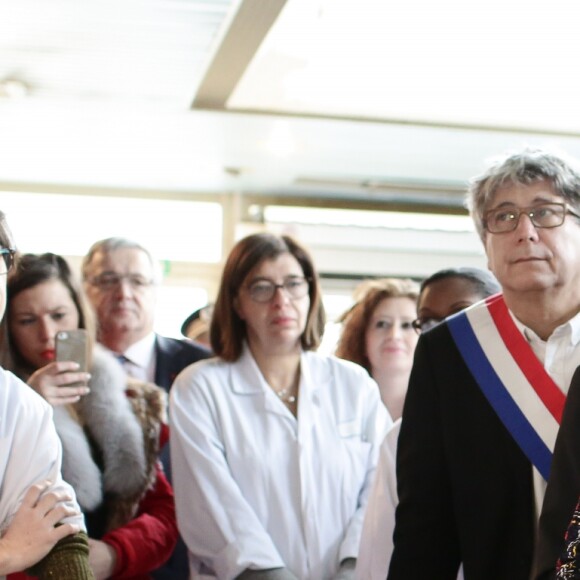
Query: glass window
(187, 231)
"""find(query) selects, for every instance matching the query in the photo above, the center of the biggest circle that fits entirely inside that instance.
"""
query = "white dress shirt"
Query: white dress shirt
(140, 359)
(560, 356)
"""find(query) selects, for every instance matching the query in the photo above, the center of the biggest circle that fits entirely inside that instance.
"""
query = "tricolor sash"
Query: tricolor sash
(511, 377)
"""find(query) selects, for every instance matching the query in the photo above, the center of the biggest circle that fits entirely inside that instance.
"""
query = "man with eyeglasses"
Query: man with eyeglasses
(489, 385)
(120, 279)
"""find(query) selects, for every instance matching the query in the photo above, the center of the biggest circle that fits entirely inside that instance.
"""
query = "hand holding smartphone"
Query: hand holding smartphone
(72, 345)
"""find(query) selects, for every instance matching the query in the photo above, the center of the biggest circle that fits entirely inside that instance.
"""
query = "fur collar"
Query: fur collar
(106, 417)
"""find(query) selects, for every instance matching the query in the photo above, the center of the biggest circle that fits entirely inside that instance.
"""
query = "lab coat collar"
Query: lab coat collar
(248, 380)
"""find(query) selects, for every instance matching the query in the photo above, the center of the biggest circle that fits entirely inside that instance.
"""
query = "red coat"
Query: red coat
(149, 539)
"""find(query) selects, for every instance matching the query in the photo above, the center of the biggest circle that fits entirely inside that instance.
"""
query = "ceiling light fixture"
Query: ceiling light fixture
(13, 89)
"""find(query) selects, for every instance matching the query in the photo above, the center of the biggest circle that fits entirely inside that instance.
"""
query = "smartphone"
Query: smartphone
(72, 345)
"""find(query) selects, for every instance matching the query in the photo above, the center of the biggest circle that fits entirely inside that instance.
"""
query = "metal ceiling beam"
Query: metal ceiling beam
(237, 48)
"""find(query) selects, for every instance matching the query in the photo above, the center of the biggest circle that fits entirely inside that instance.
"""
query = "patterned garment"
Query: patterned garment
(568, 566)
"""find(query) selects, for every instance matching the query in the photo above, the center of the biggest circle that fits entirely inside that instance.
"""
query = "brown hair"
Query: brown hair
(30, 271)
(228, 330)
(351, 345)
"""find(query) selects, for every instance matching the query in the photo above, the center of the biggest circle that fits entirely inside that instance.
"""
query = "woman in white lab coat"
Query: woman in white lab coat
(273, 446)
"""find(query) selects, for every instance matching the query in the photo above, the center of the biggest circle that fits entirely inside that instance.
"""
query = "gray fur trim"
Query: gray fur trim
(78, 467)
(107, 415)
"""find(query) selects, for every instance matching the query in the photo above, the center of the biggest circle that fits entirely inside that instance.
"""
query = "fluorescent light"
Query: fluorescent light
(369, 219)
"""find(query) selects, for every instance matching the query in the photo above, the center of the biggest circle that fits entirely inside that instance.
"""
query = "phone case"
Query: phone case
(71, 345)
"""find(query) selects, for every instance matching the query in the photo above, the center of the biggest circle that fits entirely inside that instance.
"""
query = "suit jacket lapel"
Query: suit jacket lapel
(165, 372)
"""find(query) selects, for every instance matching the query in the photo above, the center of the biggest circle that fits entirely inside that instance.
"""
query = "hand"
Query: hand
(102, 559)
(49, 382)
(32, 532)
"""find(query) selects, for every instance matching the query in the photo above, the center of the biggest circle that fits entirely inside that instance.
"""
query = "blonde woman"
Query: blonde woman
(378, 334)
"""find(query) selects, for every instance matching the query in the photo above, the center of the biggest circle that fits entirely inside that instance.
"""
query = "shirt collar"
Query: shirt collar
(572, 327)
(142, 352)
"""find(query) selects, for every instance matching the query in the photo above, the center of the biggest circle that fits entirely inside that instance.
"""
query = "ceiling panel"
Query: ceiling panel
(367, 100)
(110, 50)
(507, 64)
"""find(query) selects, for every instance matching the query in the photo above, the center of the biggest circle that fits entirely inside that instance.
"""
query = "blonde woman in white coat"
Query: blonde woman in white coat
(273, 446)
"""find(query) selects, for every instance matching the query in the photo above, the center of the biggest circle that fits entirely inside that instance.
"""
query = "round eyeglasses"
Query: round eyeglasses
(424, 324)
(264, 290)
(502, 220)
(8, 259)
(110, 281)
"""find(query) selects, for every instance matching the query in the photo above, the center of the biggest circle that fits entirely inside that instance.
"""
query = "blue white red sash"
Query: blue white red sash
(511, 377)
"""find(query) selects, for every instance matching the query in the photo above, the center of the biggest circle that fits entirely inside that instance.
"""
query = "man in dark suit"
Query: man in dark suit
(120, 279)
(488, 386)
(173, 356)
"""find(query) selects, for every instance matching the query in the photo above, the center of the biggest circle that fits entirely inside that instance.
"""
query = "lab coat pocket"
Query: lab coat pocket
(348, 429)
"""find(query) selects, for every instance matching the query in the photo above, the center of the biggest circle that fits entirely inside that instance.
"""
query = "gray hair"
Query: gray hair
(117, 243)
(526, 167)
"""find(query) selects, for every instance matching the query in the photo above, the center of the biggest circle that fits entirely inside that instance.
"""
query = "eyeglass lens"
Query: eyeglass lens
(425, 324)
(108, 281)
(549, 215)
(264, 290)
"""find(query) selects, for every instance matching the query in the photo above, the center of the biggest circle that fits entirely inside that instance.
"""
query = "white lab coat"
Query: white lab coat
(257, 488)
(376, 547)
(30, 451)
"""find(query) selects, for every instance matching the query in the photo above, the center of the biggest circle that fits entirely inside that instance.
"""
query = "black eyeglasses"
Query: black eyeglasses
(109, 281)
(8, 257)
(424, 324)
(264, 290)
(546, 215)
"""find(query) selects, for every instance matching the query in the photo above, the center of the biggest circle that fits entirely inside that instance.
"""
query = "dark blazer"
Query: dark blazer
(172, 356)
(465, 487)
(563, 488)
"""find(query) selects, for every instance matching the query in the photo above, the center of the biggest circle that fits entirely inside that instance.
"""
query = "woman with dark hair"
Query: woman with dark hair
(442, 294)
(110, 430)
(273, 445)
(34, 499)
(378, 334)
(448, 291)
